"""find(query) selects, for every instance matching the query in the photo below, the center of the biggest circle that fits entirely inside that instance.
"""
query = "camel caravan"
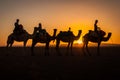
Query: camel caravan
(42, 36)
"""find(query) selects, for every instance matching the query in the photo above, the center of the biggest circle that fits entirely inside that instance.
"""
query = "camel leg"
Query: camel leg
(87, 49)
(11, 43)
(68, 48)
(68, 45)
(47, 49)
(98, 49)
(71, 49)
(7, 45)
(25, 43)
(32, 48)
(83, 49)
(57, 44)
(57, 47)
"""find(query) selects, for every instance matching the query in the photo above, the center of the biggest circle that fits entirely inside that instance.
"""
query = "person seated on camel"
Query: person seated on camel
(41, 31)
(16, 29)
(69, 31)
(97, 31)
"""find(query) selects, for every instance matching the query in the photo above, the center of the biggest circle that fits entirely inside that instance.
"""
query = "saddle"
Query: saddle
(97, 34)
(42, 34)
(66, 33)
(19, 30)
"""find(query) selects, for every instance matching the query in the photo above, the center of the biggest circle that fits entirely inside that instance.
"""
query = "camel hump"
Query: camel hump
(66, 33)
(42, 32)
(97, 34)
(93, 33)
(20, 30)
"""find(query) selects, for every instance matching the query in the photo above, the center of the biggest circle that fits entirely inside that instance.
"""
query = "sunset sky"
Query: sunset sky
(60, 14)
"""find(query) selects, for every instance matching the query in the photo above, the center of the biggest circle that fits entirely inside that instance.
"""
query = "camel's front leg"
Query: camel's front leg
(83, 49)
(57, 47)
(32, 47)
(71, 48)
(24, 43)
(87, 49)
(98, 49)
(47, 49)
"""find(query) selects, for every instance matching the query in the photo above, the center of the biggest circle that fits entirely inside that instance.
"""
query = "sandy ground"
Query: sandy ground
(18, 64)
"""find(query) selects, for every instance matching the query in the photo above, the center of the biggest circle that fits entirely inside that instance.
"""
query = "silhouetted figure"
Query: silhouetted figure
(41, 31)
(95, 26)
(16, 24)
(20, 38)
(68, 37)
(19, 34)
(69, 29)
(18, 30)
(41, 38)
(97, 31)
(40, 27)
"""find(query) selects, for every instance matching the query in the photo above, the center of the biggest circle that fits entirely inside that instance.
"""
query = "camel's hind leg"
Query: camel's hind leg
(57, 47)
(10, 42)
(98, 49)
(24, 43)
(71, 49)
(32, 47)
(87, 49)
(83, 49)
(47, 49)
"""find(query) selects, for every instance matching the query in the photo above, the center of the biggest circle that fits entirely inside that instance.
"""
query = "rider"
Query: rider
(69, 29)
(16, 24)
(18, 28)
(97, 30)
(95, 26)
(41, 31)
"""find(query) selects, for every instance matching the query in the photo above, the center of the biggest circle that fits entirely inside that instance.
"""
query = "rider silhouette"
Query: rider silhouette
(16, 24)
(97, 30)
(41, 31)
(18, 28)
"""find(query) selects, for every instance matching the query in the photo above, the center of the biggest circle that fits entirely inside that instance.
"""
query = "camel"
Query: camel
(47, 38)
(91, 38)
(20, 38)
(68, 37)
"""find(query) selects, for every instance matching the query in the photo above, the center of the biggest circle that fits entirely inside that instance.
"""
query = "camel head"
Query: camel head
(78, 36)
(107, 38)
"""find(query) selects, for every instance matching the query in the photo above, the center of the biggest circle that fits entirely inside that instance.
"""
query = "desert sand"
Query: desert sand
(18, 64)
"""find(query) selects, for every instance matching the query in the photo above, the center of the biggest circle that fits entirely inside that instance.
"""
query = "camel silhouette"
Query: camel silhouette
(43, 39)
(20, 38)
(68, 37)
(95, 39)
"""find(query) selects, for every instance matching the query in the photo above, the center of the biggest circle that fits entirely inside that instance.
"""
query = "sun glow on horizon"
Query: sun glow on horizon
(79, 42)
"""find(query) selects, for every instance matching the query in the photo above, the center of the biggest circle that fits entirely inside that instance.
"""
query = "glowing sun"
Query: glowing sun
(79, 42)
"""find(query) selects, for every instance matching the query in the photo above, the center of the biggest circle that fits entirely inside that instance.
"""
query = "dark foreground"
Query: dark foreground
(17, 64)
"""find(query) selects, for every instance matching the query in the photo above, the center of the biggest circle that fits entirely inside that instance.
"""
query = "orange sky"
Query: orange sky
(60, 14)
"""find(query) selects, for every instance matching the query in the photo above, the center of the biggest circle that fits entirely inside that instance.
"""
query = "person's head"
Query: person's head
(17, 20)
(69, 28)
(40, 26)
(96, 21)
